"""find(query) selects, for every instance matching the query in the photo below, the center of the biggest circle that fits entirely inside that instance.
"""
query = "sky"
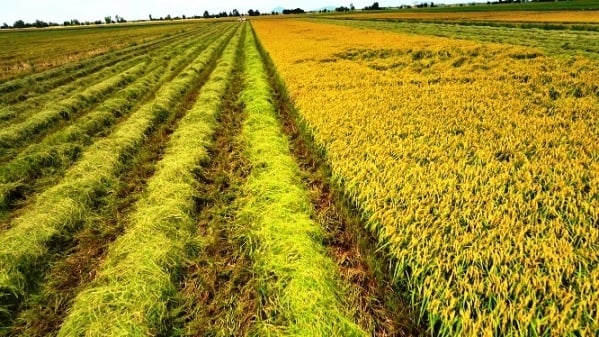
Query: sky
(63, 10)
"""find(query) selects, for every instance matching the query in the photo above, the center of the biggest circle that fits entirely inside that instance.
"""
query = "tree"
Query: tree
(168, 17)
(108, 19)
(5, 26)
(235, 13)
(206, 15)
(40, 24)
(375, 6)
(351, 7)
(293, 11)
(19, 24)
(150, 17)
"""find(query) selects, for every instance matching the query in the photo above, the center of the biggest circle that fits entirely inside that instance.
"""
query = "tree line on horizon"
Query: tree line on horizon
(74, 22)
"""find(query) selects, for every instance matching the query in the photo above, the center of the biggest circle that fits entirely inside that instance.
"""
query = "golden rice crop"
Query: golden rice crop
(477, 165)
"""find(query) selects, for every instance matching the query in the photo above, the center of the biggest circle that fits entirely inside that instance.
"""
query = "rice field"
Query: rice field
(301, 177)
(474, 165)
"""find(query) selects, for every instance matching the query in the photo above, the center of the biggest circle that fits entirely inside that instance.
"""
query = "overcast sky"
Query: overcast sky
(62, 10)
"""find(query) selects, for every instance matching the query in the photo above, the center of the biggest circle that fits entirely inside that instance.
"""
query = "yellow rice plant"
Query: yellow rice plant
(476, 165)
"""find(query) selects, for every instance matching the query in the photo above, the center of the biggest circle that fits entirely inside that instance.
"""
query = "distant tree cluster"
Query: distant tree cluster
(375, 7)
(117, 19)
(233, 13)
(425, 5)
(252, 12)
(23, 24)
(168, 17)
(73, 22)
(294, 11)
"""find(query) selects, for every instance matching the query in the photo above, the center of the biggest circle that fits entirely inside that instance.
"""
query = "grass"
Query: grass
(57, 211)
(301, 294)
(135, 289)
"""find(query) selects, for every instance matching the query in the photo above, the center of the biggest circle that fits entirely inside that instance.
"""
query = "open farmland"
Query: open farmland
(302, 177)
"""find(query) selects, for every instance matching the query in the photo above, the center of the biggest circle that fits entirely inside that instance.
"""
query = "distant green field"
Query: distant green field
(524, 6)
(32, 50)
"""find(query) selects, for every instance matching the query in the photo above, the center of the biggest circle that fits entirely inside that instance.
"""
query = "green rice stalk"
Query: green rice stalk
(58, 211)
(171, 51)
(136, 287)
(15, 135)
(62, 147)
(47, 80)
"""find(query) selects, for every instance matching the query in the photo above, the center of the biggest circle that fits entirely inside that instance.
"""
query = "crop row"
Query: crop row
(15, 134)
(31, 102)
(298, 282)
(59, 210)
(134, 291)
(475, 165)
(62, 147)
(32, 85)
